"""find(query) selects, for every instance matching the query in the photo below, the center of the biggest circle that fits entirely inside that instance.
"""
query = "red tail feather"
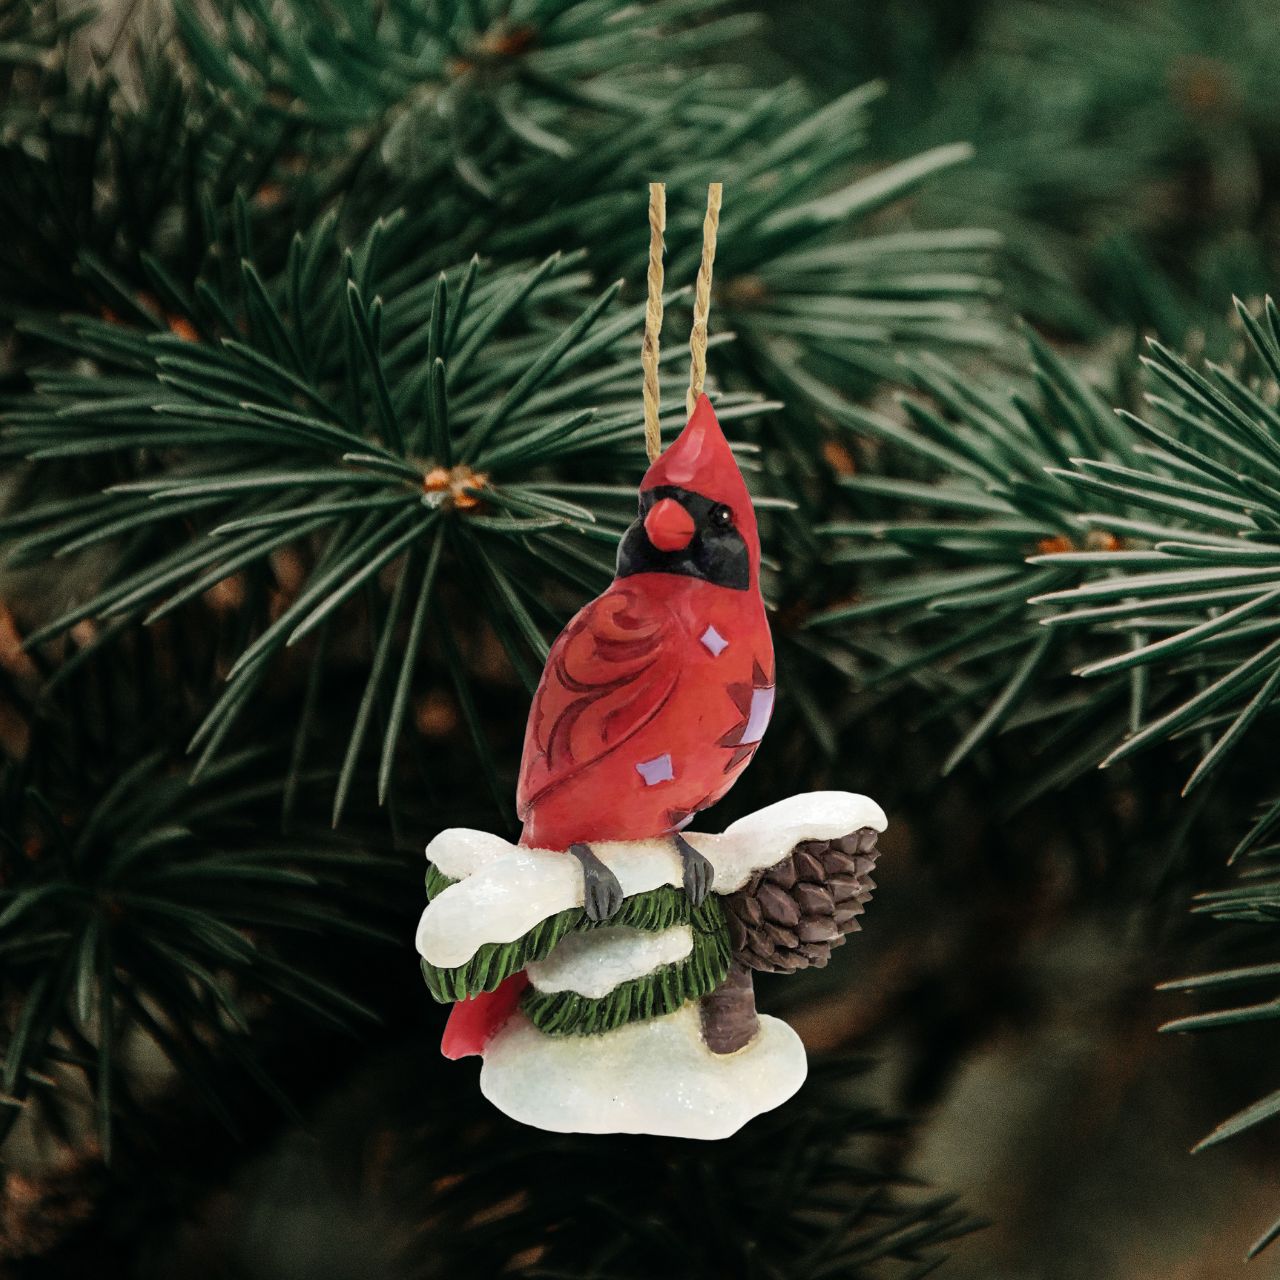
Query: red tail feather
(473, 1022)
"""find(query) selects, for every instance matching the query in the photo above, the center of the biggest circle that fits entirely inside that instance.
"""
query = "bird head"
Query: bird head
(696, 517)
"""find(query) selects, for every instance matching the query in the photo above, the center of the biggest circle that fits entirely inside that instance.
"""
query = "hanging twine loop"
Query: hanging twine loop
(653, 320)
(653, 310)
(702, 297)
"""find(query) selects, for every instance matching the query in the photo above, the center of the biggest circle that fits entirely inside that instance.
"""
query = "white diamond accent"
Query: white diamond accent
(761, 710)
(714, 641)
(656, 770)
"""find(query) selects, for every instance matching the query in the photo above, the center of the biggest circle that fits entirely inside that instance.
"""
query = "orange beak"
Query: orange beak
(668, 525)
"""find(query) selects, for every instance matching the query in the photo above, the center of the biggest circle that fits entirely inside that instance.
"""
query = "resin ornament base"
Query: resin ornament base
(657, 1071)
(650, 1077)
(504, 890)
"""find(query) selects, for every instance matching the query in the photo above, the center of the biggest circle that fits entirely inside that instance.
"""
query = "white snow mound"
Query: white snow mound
(593, 963)
(503, 890)
(648, 1077)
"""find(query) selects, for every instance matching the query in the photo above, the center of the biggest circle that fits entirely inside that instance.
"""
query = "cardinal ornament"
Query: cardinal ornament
(602, 968)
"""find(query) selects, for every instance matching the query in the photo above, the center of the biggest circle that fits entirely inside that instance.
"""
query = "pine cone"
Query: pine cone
(792, 914)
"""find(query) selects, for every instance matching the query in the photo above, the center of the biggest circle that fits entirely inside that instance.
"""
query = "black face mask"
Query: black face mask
(716, 553)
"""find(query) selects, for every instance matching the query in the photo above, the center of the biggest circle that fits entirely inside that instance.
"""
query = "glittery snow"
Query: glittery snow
(503, 890)
(647, 1077)
(595, 962)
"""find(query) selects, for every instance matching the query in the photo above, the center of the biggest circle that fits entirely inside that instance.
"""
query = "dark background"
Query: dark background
(993, 1031)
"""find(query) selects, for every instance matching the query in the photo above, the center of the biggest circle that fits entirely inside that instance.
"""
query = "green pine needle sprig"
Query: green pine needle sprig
(413, 451)
(141, 908)
(1199, 613)
(959, 515)
(662, 908)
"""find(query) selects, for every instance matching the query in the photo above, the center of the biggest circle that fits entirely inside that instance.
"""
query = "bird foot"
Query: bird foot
(698, 871)
(601, 893)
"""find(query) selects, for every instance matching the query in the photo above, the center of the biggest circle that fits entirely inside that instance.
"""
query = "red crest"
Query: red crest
(700, 460)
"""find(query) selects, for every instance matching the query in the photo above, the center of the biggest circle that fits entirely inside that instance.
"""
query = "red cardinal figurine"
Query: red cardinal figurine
(655, 696)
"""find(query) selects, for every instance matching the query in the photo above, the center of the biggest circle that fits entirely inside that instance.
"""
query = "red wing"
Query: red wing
(608, 674)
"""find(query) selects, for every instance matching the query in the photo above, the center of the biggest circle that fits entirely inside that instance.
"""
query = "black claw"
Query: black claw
(601, 893)
(698, 871)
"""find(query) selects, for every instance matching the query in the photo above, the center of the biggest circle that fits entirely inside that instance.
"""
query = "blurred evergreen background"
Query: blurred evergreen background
(266, 266)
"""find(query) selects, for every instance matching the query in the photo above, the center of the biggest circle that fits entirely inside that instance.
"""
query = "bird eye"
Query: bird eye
(721, 516)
